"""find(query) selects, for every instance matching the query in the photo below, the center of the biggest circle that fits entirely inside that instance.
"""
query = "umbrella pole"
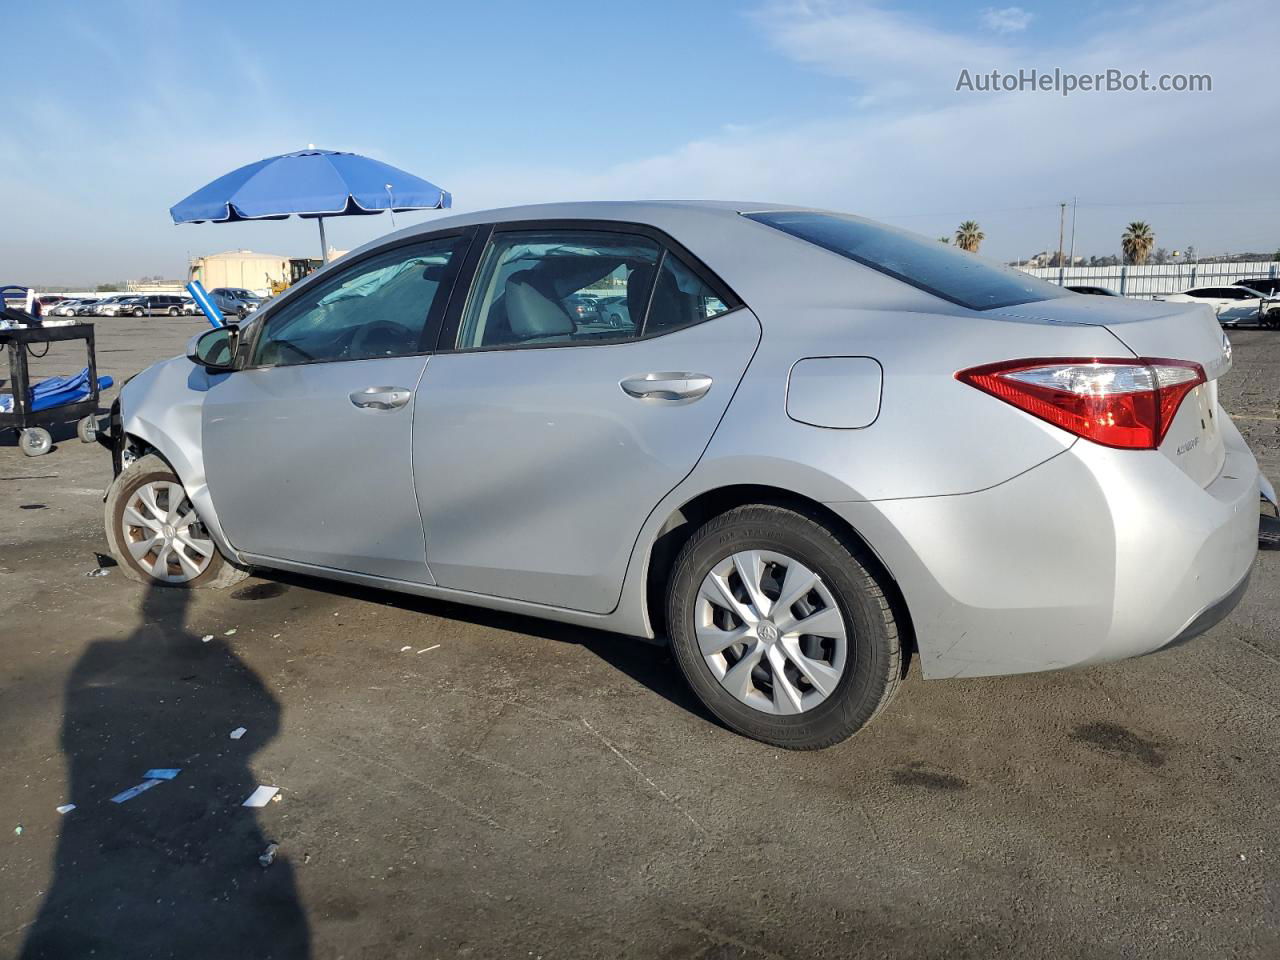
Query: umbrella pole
(324, 247)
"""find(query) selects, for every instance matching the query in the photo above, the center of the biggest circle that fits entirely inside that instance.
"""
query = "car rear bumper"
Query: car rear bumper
(1095, 555)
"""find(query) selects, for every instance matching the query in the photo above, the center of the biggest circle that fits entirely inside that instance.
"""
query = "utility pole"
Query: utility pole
(1062, 220)
(1071, 257)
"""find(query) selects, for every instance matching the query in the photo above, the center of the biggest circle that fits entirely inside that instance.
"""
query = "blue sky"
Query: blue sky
(116, 110)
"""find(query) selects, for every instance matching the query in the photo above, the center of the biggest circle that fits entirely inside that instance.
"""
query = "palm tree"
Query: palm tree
(969, 236)
(1137, 241)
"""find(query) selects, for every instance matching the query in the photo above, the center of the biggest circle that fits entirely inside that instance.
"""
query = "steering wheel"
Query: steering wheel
(367, 335)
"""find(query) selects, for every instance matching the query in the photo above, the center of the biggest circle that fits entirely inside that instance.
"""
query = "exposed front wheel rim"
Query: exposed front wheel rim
(770, 631)
(164, 535)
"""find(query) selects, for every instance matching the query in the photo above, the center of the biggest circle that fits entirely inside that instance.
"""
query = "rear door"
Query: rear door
(543, 439)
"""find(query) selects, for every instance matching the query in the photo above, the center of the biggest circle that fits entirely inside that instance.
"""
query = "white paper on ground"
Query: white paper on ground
(134, 791)
(238, 732)
(261, 797)
(66, 808)
(162, 773)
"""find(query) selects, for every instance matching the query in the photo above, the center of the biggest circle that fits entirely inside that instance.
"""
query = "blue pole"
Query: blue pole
(198, 294)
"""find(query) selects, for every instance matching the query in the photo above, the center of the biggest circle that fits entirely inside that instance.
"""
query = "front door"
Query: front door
(544, 437)
(307, 449)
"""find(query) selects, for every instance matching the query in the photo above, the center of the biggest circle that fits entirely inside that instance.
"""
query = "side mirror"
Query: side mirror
(215, 349)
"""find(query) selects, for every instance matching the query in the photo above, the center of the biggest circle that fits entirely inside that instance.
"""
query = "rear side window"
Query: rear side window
(937, 268)
(680, 298)
(558, 287)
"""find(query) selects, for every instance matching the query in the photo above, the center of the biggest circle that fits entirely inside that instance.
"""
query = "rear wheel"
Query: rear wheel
(174, 311)
(782, 628)
(139, 312)
(157, 536)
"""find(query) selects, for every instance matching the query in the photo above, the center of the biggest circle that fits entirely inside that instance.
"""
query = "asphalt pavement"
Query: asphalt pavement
(457, 783)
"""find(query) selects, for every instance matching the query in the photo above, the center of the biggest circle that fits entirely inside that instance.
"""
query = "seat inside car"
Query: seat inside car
(669, 307)
(531, 313)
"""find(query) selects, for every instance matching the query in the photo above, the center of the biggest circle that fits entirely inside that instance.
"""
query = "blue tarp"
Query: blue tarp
(57, 391)
(309, 183)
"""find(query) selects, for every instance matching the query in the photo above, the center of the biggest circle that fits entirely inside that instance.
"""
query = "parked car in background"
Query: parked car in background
(65, 308)
(1267, 286)
(613, 311)
(582, 308)
(1095, 291)
(189, 307)
(48, 302)
(124, 306)
(820, 446)
(234, 301)
(161, 304)
(110, 306)
(1233, 305)
(87, 306)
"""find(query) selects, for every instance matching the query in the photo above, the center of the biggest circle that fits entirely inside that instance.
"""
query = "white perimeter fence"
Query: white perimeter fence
(1156, 279)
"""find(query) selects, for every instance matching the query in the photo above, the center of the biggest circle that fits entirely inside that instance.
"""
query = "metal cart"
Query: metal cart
(30, 423)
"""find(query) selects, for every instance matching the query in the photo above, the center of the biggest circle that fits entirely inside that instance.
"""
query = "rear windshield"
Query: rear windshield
(937, 268)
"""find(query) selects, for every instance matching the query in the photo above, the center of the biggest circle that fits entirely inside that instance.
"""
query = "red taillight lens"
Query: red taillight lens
(1117, 403)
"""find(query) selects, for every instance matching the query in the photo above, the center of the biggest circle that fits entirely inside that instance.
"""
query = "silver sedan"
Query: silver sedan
(812, 448)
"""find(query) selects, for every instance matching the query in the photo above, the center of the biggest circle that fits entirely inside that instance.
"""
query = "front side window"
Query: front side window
(558, 287)
(936, 268)
(378, 307)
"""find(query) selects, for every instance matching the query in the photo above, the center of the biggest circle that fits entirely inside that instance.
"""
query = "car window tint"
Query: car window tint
(376, 308)
(558, 287)
(937, 268)
(680, 298)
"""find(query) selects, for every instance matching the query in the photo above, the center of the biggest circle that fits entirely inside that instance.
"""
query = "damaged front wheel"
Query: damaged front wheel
(156, 534)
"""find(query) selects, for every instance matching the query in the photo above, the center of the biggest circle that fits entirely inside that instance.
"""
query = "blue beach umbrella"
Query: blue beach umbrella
(310, 183)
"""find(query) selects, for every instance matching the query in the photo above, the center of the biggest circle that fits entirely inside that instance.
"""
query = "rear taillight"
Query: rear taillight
(1117, 403)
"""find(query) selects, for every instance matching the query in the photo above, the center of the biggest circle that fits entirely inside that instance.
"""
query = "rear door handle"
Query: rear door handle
(667, 386)
(381, 398)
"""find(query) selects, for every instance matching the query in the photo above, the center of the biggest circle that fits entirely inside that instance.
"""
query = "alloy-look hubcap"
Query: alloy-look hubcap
(163, 533)
(771, 632)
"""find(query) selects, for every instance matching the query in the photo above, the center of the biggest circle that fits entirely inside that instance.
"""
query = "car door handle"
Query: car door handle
(667, 386)
(381, 398)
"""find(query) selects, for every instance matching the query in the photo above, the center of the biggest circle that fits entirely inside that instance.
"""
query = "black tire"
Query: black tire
(874, 666)
(221, 573)
(174, 311)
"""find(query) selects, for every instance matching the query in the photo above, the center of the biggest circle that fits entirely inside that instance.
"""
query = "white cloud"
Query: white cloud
(926, 157)
(890, 54)
(1006, 19)
(908, 148)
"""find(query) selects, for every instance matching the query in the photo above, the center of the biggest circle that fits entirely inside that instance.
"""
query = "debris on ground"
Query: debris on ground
(261, 797)
(230, 633)
(429, 649)
(98, 572)
(404, 648)
(66, 808)
(105, 560)
(206, 638)
(17, 831)
(269, 855)
(162, 773)
(134, 791)
(237, 733)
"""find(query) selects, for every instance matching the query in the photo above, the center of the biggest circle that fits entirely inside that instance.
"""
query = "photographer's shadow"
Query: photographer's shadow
(173, 871)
